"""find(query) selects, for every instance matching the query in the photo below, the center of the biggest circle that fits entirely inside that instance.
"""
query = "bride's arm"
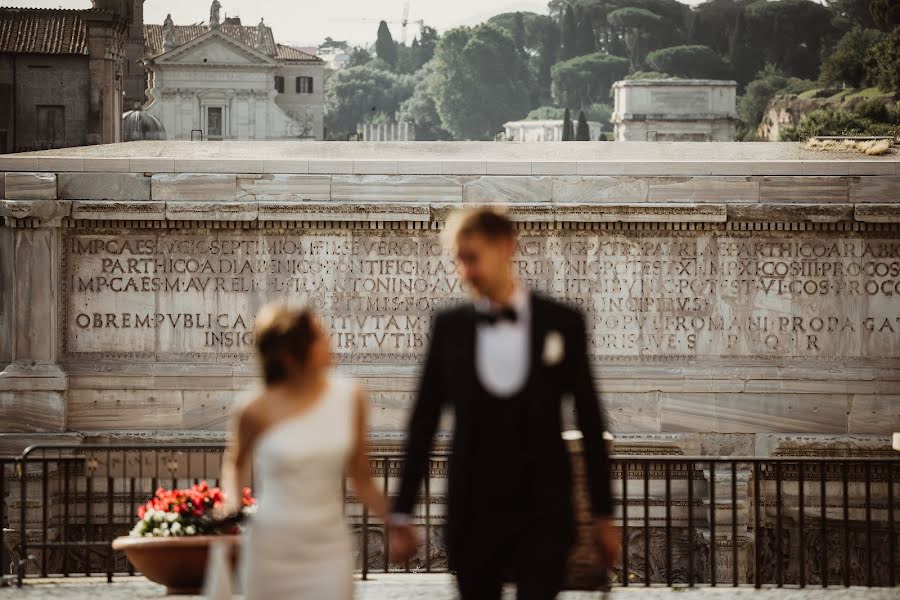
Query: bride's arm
(360, 473)
(236, 463)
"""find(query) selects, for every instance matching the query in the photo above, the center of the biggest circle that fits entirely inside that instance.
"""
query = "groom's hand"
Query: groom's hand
(402, 542)
(608, 541)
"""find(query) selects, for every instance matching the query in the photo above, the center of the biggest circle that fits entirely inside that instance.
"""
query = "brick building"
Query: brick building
(62, 75)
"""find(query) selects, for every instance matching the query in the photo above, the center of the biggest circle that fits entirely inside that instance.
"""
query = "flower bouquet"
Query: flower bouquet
(191, 511)
(170, 544)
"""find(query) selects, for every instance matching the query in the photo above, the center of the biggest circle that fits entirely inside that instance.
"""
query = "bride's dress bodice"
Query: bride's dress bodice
(299, 468)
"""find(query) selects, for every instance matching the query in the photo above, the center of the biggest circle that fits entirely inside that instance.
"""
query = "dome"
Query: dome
(139, 125)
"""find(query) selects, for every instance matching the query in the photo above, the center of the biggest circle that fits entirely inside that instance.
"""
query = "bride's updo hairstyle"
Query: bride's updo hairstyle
(282, 331)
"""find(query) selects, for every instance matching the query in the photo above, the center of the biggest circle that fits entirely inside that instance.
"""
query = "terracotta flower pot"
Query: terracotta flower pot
(179, 563)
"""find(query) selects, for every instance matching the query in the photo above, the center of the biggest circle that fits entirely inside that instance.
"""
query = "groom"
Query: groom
(503, 363)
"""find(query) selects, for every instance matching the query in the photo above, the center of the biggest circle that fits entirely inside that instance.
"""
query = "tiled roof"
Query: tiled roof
(42, 31)
(153, 36)
(294, 54)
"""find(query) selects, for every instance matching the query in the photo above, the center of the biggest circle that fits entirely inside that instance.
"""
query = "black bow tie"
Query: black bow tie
(498, 316)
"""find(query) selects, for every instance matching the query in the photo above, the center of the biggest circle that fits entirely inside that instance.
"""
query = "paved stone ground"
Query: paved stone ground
(422, 587)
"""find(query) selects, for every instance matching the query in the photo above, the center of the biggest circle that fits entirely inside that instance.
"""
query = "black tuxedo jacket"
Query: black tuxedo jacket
(449, 380)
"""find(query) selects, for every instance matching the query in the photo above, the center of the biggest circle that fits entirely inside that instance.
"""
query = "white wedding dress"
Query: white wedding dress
(298, 545)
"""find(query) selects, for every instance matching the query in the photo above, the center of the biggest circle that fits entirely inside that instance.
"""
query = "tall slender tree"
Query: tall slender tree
(567, 133)
(584, 35)
(569, 35)
(583, 133)
(385, 46)
(519, 33)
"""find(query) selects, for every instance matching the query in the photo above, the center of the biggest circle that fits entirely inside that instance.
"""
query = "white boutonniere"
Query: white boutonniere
(554, 349)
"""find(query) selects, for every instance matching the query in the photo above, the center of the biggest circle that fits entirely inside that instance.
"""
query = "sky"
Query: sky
(306, 23)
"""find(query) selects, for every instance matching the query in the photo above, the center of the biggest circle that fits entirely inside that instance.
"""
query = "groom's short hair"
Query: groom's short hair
(491, 222)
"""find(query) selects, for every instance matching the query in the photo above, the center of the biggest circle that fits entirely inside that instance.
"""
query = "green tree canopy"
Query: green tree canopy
(360, 94)
(586, 79)
(480, 81)
(884, 62)
(885, 14)
(639, 25)
(420, 110)
(847, 63)
(385, 46)
(689, 61)
(769, 82)
(584, 34)
(546, 113)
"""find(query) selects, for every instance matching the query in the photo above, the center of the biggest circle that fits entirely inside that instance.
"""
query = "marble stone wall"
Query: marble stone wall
(719, 304)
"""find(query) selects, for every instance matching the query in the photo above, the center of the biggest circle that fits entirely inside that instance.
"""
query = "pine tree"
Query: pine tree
(385, 46)
(569, 35)
(519, 33)
(583, 133)
(567, 133)
(584, 36)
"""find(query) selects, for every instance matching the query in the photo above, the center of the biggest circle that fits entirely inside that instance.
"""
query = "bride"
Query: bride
(299, 437)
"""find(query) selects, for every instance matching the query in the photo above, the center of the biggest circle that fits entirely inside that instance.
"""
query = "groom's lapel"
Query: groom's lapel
(537, 334)
(466, 354)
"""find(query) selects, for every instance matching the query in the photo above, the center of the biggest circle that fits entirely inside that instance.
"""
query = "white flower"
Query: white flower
(172, 517)
(190, 530)
(554, 348)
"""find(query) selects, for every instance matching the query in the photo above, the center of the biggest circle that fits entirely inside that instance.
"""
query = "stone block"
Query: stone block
(151, 165)
(507, 190)
(14, 162)
(211, 411)
(330, 211)
(104, 186)
(124, 409)
(599, 189)
(705, 189)
(464, 167)
(283, 187)
(107, 165)
(30, 186)
(46, 211)
(507, 167)
(241, 165)
(60, 163)
(687, 412)
(32, 411)
(397, 188)
(330, 167)
(815, 190)
(875, 413)
(747, 412)
(375, 167)
(550, 167)
(193, 187)
(877, 213)
(642, 212)
(197, 165)
(791, 212)
(119, 210)
(211, 211)
(632, 412)
(875, 189)
(418, 167)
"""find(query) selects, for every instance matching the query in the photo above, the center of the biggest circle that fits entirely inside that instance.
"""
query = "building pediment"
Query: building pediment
(214, 48)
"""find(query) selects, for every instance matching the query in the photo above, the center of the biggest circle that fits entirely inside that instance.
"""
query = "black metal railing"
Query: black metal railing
(690, 521)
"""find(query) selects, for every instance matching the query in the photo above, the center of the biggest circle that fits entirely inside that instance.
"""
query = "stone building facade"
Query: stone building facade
(674, 110)
(229, 81)
(62, 74)
(543, 130)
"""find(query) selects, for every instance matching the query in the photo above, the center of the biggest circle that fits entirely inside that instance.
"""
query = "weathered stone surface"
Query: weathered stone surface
(503, 190)
(870, 412)
(327, 211)
(124, 409)
(32, 411)
(706, 189)
(599, 189)
(875, 189)
(877, 213)
(283, 187)
(45, 210)
(642, 213)
(104, 186)
(400, 188)
(118, 209)
(193, 187)
(211, 211)
(803, 189)
(793, 212)
(30, 186)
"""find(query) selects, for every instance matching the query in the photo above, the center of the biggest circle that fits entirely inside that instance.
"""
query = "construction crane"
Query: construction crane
(404, 21)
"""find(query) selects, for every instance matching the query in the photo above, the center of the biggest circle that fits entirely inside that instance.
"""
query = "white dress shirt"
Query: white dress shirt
(502, 348)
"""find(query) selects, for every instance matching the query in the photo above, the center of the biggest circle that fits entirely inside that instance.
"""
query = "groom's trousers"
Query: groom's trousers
(496, 545)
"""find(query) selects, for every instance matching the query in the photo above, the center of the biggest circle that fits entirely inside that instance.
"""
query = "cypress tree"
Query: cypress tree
(519, 32)
(385, 46)
(583, 133)
(567, 133)
(569, 35)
